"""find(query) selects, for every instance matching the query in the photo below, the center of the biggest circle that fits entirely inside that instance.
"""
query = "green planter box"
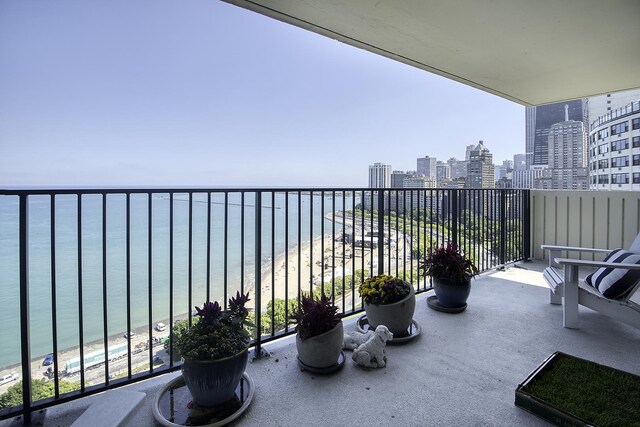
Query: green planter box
(528, 399)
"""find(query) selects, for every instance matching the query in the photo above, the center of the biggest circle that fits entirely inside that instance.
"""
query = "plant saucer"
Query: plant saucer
(433, 303)
(173, 405)
(413, 330)
(328, 370)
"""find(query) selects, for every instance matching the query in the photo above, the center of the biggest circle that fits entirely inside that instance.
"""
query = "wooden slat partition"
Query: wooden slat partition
(601, 219)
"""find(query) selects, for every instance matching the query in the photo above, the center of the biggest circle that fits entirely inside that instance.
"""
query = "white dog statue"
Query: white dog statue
(370, 354)
(355, 339)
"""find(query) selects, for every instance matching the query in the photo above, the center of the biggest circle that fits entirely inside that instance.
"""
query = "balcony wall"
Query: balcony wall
(601, 219)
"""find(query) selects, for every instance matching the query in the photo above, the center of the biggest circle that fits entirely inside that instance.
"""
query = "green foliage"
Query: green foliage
(447, 262)
(315, 316)
(277, 307)
(40, 389)
(383, 289)
(215, 334)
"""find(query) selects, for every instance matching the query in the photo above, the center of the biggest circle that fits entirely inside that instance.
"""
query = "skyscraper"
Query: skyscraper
(567, 167)
(480, 171)
(538, 121)
(379, 175)
(427, 166)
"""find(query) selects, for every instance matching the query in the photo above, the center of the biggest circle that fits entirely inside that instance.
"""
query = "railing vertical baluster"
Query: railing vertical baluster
(54, 308)
(190, 256)
(105, 305)
(209, 246)
(24, 309)
(128, 258)
(149, 276)
(311, 242)
(380, 231)
(80, 308)
(286, 261)
(299, 194)
(171, 362)
(353, 249)
(273, 262)
(258, 272)
(344, 249)
(333, 246)
(322, 242)
(397, 234)
(362, 228)
(242, 219)
(225, 273)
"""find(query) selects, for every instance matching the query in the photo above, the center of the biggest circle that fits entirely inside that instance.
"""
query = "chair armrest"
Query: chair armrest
(597, 264)
(573, 248)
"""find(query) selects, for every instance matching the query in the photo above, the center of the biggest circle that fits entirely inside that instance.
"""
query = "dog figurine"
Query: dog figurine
(370, 354)
(355, 339)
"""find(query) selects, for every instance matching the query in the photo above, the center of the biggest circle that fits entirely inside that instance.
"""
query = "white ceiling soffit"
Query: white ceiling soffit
(529, 51)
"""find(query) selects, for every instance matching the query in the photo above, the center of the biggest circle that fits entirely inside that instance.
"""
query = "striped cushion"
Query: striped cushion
(616, 282)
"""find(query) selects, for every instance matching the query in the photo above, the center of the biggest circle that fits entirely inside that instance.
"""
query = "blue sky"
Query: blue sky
(202, 93)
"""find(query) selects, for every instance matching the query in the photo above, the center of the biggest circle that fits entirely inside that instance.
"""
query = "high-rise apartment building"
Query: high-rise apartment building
(614, 149)
(427, 166)
(567, 153)
(379, 175)
(598, 106)
(538, 121)
(480, 170)
(457, 168)
(443, 174)
(397, 178)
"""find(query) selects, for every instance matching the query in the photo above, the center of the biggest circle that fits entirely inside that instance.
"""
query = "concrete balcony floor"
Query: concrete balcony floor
(462, 370)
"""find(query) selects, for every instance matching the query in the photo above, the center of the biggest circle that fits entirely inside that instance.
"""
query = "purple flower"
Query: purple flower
(236, 304)
(209, 310)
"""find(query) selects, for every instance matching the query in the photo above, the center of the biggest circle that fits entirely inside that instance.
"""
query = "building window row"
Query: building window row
(603, 148)
(635, 123)
(636, 177)
(618, 162)
(619, 128)
(621, 144)
(636, 160)
(636, 141)
(603, 164)
(620, 178)
(603, 179)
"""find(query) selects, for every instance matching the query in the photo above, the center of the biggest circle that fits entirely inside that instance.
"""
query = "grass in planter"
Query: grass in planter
(592, 392)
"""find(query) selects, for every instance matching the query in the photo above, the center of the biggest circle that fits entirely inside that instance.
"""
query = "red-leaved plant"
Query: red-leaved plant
(447, 262)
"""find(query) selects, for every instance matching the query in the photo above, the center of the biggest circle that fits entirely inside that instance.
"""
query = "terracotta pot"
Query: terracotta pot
(396, 316)
(451, 294)
(321, 351)
(213, 382)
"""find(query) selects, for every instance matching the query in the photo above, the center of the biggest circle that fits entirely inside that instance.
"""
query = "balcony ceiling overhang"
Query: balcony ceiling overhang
(529, 51)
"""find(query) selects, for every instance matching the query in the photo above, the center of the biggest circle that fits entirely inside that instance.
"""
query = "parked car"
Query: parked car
(160, 327)
(48, 360)
(129, 334)
(8, 378)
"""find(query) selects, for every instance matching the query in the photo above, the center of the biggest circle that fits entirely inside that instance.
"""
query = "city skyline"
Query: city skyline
(92, 97)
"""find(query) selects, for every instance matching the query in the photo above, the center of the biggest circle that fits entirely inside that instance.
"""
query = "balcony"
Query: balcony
(463, 368)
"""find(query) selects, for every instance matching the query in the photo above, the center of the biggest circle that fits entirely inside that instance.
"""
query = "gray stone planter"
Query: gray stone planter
(396, 316)
(321, 351)
(451, 294)
(213, 382)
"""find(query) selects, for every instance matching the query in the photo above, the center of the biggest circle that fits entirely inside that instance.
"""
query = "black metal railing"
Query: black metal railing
(104, 275)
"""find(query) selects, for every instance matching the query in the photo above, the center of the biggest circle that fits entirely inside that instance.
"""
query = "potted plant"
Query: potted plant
(450, 272)
(319, 332)
(214, 350)
(388, 301)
